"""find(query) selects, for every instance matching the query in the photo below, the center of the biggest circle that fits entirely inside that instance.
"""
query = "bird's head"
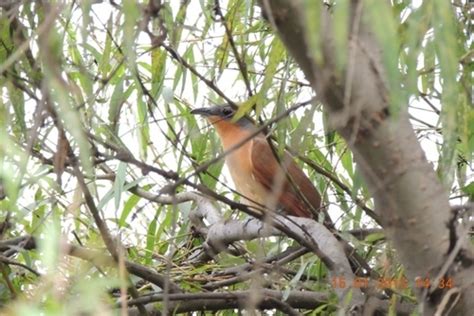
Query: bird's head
(222, 116)
(230, 130)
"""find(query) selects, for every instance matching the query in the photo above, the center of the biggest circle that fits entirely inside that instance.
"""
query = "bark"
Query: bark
(220, 235)
(409, 198)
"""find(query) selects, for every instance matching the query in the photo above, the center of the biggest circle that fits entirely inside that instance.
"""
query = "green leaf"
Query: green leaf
(276, 56)
(373, 238)
(132, 16)
(38, 216)
(84, 80)
(179, 23)
(158, 66)
(111, 193)
(312, 9)
(329, 134)
(127, 209)
(150, 241)
(18, 103)
(448, 53)
(347, 162)
(381, 19)
(104, 61)
(244, 108)
(469, 190)
(144, 130)
(116, 102)
(194, 79)
(358, 181)
(72, 121)
(166, 223)
(7, 44)
(412, 33)
(211, 175)
(119, 183)
(49, 245)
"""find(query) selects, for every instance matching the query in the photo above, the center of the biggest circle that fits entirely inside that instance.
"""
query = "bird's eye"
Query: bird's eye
(227, 112)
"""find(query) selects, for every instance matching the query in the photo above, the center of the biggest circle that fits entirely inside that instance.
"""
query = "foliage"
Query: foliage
(103, 91)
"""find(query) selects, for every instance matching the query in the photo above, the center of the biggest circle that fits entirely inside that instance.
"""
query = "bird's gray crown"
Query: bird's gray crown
(225, 112)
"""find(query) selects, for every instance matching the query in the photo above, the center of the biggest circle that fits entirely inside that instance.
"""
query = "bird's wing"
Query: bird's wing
(303, 184)
(265, 167)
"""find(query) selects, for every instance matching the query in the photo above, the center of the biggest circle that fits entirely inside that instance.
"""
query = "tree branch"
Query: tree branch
(96, 257)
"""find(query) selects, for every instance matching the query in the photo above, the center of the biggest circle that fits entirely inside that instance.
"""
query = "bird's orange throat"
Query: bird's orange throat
(229, 132)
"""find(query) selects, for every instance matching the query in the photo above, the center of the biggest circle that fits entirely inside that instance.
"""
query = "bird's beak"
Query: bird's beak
(203, 111)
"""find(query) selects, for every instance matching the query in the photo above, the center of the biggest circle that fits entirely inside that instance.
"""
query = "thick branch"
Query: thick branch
(98, 258)
(223, 233)
(181, 303)
(189, 302)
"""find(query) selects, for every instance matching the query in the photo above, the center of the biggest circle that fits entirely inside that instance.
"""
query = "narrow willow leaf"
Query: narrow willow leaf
(49, 245)
(358, 182)
(428, 73)
(198, 142)
(381, 19)
(244, 108)
(76, 56)
(222, 54)
(373, 238)
(132, 16)
(447, 50)
(92, 50)
(275, 57)
(413, 31)
(150, 240)
(158, 63)
(329, 134)
(185, 71)
(283, 126)
(18, 103)
(116, 102)
(175, 36)
(144, 129)
(111, 193)
(177, 76)
(119, 182)
(211, 175)
(194, 79)
(304, 125)
(312, 11)
(347, 161)
(104, 61)
(38, 216)
(86, 18)
(7, 42)
(128, 206)
(165, 225)
(72, 121)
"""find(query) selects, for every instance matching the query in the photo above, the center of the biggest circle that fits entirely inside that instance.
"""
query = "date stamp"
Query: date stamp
(389, 283)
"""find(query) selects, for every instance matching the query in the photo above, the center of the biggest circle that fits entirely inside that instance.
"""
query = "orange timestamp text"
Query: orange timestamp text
(388, 283)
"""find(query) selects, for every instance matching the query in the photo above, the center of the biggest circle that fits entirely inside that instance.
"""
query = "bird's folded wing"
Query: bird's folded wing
(297, 199)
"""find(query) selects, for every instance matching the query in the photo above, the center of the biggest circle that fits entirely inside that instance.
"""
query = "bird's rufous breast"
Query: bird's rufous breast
(239, 162)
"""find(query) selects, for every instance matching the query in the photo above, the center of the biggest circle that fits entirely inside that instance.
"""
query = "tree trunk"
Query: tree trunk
(409, 198)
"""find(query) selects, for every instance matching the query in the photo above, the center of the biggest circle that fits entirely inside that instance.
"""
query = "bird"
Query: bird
(259, 177)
